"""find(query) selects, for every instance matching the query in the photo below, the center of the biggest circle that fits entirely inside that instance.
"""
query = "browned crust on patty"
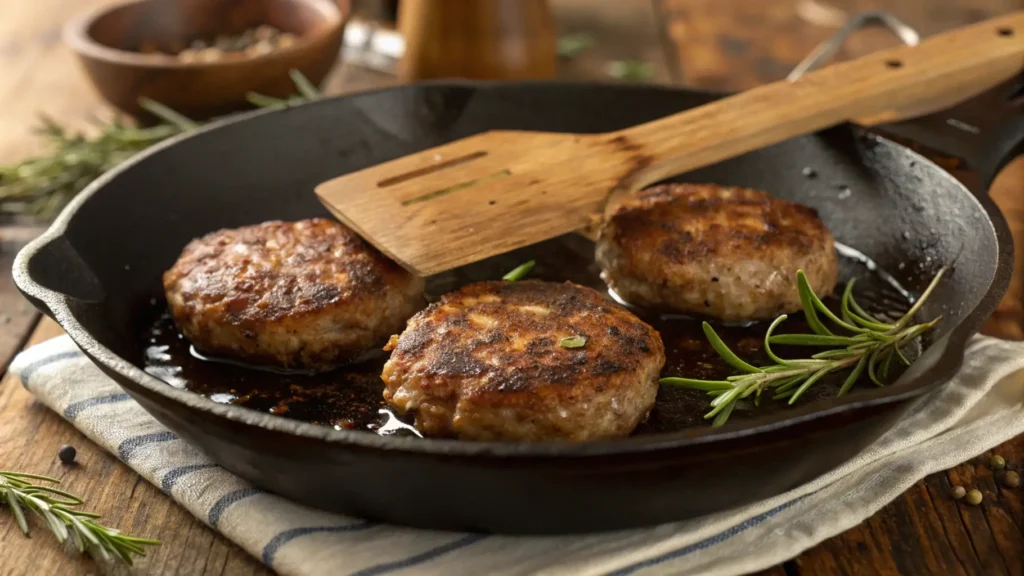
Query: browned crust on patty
(485, 362)
(276, 269)
(286, 293)
(670, 245)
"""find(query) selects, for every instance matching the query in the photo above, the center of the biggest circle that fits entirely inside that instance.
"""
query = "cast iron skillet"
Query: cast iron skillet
(98, 265)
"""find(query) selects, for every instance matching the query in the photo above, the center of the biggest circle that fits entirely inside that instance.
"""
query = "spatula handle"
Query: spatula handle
(979, 55)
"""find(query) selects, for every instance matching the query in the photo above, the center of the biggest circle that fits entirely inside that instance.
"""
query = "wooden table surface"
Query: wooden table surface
(725, 44)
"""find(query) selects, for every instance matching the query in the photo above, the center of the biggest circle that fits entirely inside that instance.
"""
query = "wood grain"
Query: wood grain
(1008, 193)
(945, 536)
(42, 76)
(623, 30)
(106, 43)
(17, 316)
(726, 44)
(926, 531)
(737, 44)
(531, 186)
(31, 434)
(479, 39)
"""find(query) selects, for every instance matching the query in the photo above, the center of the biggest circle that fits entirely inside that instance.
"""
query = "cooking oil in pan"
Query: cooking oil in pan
(351, 397)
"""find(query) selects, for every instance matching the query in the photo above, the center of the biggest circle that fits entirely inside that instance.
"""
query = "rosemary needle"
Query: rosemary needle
(573, 341)
(519, 272)
(869, 345)
(58, 509)
(39, 187)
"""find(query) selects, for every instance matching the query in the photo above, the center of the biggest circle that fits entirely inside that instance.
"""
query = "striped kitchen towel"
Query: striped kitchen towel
(979, 409)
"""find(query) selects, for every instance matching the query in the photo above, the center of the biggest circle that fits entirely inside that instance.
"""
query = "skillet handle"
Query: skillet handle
(958, 61)
(49, 272)
(984, 128)
(987, 131)
(1004, 146)
(827, 49)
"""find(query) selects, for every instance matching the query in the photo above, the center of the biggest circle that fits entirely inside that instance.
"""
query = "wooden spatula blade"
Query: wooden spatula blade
(497, 191)
(475, 198)
(430, 236)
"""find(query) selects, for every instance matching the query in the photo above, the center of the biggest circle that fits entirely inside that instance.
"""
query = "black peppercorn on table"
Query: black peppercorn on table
(698, 42)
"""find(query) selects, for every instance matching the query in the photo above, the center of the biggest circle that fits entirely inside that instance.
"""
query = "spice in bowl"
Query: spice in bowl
(250, 43)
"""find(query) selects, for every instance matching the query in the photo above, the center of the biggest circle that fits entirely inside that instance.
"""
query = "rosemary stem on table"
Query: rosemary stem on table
(59, 510)
(39, 187)
(870, 345)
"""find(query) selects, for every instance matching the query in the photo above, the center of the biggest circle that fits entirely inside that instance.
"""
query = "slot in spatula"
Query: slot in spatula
(496, 191)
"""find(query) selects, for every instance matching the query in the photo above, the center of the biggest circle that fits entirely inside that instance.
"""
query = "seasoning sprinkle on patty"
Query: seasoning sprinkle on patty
(525, 361)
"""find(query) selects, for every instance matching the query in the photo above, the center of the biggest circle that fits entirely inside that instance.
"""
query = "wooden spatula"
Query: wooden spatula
(500, 190)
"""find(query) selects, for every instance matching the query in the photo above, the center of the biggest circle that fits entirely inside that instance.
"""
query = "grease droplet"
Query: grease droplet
(906, 235)
(809, 172)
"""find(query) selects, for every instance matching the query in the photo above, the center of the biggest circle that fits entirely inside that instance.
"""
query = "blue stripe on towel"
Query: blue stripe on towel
(270, 550)
(126, 449)
(171, 478)
(422, 557)
(76, 408)
(32, 368)
(706, 543)
(227, 500)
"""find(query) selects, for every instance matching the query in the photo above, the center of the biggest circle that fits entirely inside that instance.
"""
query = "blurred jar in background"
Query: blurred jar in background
(378, 10)
(477, 39)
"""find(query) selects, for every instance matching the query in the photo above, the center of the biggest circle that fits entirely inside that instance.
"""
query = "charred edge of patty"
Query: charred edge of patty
(617, 341)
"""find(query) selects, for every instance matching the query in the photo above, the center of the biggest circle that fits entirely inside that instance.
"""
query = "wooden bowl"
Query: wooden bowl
(109, 44)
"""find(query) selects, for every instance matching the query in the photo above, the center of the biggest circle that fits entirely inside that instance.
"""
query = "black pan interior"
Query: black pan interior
(908, 217)
(351, 397)
(107, 255)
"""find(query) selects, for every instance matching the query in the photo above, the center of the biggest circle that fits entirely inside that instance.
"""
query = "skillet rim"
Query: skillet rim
(950, 349)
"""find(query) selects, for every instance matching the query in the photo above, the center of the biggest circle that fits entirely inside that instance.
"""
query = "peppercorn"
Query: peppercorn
(997, 462)
(251, 43)
(959, 492)
(1012, 479)
(67, 454)
(974, 497)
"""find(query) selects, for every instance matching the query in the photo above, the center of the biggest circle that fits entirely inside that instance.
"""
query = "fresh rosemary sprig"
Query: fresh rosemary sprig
(572, 45)
(307, 93)
(520, 272)
(868, 345)
(58, 509)
(631, 70)
(39, 187)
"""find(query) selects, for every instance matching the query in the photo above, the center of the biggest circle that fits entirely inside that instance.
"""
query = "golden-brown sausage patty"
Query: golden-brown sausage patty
(487, 362)
(728, 253)
(307, 295)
